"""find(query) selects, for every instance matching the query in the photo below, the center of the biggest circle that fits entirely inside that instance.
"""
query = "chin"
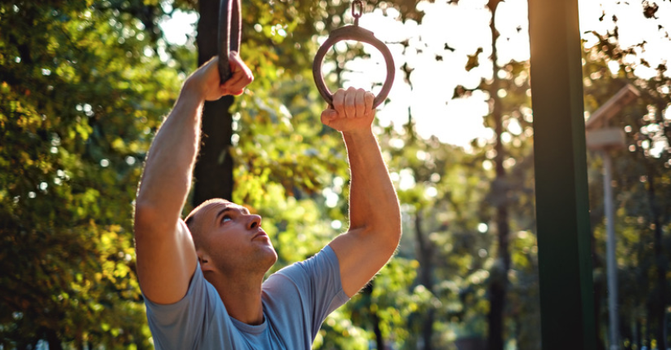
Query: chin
(269, 251)
(263, 257)
(271, 258)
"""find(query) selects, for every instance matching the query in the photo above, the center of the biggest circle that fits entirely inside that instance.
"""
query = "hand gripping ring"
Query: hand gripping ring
(229, 25)
(359, 34)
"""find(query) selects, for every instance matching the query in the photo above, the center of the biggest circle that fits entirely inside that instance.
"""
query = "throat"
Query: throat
(242, 299)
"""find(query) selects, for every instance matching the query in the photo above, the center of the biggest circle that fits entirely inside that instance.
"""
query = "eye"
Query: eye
(225, 219)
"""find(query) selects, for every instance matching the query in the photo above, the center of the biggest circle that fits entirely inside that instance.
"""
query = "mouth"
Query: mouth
(260, 234)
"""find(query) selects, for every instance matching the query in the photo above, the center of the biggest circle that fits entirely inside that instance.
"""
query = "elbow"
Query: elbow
(389, 236)
(391, 242)
(395, 238)
(393, 231)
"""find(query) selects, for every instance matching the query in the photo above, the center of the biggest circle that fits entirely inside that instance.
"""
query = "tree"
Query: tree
(509, 154)
(641, 179)
(77, 101)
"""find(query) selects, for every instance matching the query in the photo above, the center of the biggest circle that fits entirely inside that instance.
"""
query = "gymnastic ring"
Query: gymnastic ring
(229, 25)
(352, 32)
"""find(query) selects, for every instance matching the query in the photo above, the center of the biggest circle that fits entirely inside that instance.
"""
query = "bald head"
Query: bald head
(193, 222)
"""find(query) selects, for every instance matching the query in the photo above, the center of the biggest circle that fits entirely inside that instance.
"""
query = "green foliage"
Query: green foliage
(78, 100)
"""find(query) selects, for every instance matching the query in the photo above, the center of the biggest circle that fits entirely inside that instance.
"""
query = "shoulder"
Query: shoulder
(317, 275)
(324, 263)
(185, 323)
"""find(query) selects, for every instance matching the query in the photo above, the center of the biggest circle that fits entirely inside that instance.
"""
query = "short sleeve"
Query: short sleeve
(181, 325)
(318, 282)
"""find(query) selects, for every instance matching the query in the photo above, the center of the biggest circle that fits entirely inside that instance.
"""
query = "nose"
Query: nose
(254, 221)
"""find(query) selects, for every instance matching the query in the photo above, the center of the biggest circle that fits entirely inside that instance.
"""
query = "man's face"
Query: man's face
(233, 239)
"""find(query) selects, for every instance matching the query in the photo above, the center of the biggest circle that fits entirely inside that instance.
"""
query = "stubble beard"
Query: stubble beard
(257, 262)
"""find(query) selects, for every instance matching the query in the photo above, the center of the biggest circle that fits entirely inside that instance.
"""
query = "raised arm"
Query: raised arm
(166, 258)
(374, 213)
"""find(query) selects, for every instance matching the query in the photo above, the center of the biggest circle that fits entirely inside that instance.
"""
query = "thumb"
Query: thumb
(328, 115)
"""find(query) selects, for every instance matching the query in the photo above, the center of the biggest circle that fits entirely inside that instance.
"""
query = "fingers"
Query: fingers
(369, 99)
(237, 82)
(235, 85)
(350, 106)
(339, 101)
(353, 103)
(241, 76)
(359, 103)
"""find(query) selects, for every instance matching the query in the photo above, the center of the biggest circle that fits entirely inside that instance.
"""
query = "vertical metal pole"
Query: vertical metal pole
(562, 208)
(611, 264)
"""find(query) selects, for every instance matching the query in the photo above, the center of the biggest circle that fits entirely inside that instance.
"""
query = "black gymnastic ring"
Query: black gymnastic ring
(357, 33)
(229, 24)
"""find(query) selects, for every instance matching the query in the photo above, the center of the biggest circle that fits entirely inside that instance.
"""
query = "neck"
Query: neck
(241, 296)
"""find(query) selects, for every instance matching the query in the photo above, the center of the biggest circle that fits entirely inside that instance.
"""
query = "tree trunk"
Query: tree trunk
(214, 169)
(425, 257)
(375, 319)
(79, 341)
(52, 339)
(659, 304)
(499, 276)
(638, 334)
(648, 327)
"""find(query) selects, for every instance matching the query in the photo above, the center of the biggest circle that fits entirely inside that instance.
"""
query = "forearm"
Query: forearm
(373, 203)
(167, 174)
(375, 217)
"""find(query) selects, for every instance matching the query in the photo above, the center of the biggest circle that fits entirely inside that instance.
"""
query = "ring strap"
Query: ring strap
(230, 35)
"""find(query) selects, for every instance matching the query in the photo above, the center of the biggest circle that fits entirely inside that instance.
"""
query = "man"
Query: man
(203, 281)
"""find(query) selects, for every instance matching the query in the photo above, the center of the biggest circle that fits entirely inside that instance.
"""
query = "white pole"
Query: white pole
(611, 264)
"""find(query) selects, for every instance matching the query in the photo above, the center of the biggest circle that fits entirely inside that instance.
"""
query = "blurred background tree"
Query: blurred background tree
(641, 182)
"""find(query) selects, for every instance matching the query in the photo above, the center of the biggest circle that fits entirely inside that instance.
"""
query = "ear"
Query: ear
(206, 264)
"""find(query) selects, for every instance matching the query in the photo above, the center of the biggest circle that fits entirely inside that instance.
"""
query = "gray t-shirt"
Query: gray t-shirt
(296, 300)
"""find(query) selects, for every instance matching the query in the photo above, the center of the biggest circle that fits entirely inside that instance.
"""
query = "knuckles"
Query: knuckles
(352, 102)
